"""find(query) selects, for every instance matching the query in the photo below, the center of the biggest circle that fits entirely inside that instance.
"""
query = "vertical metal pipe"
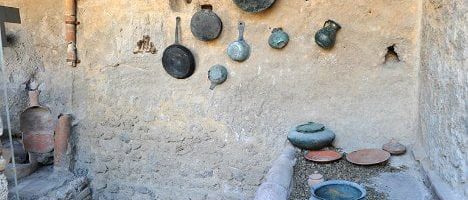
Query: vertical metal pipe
(62, 135)
(70, 31)
(7, 109)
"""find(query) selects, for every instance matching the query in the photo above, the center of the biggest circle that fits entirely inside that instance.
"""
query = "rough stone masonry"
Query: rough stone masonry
(142, 134)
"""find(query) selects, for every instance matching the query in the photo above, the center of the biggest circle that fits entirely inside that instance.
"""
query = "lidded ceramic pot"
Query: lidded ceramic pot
(311, 136)
(394, 147)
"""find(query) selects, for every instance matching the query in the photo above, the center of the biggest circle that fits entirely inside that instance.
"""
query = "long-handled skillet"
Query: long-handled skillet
(177, 60)
(254, 6)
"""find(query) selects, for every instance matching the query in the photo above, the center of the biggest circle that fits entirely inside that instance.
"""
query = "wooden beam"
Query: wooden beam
(9, 15)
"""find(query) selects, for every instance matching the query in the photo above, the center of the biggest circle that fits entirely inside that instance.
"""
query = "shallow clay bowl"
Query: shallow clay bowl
(324, 156)
(368, 157)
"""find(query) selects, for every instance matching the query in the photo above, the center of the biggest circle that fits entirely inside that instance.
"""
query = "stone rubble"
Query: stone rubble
(47, 184)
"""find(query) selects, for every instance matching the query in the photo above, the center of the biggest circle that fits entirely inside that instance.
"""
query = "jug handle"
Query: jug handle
(331, 22)
(327, 22)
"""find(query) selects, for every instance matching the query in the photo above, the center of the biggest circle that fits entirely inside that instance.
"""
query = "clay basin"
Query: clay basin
(324, 156)
(368, 157)
(337, 190)
(311, 141)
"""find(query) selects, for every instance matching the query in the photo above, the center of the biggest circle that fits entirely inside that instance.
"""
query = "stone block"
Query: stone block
(271, 191)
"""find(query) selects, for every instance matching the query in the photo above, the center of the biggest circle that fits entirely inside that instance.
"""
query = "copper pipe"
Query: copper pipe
(70, 7)
(62, 135)
(70, 31)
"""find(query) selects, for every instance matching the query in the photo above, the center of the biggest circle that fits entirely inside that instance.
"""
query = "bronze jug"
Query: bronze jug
(326, 36)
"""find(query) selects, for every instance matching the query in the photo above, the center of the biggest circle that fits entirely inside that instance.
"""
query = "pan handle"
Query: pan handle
(177, 30)
(241, 30)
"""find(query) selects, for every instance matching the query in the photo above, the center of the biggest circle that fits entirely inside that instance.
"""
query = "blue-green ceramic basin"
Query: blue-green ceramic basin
(337, 190)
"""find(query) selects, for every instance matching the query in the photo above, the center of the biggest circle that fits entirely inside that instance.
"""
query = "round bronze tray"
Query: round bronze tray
(368, 157)
(325, 156)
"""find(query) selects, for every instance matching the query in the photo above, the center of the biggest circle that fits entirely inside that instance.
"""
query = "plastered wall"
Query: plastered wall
(443, 95)
(142, 134)
(35, 53)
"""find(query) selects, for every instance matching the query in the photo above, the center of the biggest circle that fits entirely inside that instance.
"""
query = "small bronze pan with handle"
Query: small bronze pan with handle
(177, 60)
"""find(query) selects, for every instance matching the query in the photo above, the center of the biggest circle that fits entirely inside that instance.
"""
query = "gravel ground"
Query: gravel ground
(342, 170)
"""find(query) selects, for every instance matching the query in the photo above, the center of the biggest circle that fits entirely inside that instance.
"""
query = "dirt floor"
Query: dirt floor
(339, 170)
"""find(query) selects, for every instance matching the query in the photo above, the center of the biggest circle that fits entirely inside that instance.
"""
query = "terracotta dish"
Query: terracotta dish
(368, 157)
(323, 156)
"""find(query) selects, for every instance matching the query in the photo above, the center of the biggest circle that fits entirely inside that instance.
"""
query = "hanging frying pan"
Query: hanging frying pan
(177, 60)
(254, 6)
(205, 24)
(239, 50)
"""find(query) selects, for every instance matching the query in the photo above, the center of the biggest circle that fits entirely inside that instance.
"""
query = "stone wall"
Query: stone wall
(3, 187)
(35, 52)
(443, 95)
(142, 134)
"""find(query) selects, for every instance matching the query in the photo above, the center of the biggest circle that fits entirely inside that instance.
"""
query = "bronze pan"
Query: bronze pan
(205, 24)
(177, 60)
(254, 6)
